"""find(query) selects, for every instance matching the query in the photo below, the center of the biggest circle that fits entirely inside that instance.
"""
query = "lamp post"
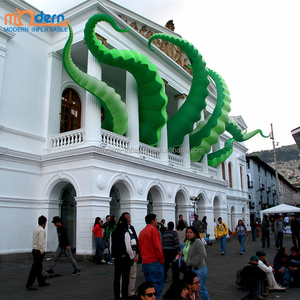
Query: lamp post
(194, 202)
(275, 162)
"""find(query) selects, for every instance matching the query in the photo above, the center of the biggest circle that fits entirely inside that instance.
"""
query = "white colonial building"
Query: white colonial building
(56, 160)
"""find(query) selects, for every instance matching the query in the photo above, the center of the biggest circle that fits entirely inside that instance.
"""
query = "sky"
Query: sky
(253, 44)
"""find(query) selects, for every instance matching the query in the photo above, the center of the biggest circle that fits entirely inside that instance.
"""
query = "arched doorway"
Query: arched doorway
(68, 212)
(149, 203)
(180, 206)
(115, 202)
(217, 209)
(232, 217)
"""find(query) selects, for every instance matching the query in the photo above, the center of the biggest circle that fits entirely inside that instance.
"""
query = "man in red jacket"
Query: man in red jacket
(152, 254)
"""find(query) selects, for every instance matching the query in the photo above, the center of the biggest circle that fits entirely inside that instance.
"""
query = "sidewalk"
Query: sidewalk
(96, 281)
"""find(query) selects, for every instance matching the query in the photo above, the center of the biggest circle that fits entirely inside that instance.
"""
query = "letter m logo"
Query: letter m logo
(11, 19)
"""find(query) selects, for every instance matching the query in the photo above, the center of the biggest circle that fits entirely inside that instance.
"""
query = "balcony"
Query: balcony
(268, 189)
(261, 187)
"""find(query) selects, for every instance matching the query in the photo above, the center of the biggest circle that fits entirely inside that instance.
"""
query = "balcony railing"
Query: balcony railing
(67, 139)
(147, 151)
(175, 160)
(115, 141)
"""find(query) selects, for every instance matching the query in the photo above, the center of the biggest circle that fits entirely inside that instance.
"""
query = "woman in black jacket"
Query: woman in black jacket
(123, 256)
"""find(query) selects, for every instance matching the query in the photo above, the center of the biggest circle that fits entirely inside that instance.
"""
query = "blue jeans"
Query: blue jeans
(154, 273)
(99, 247)
(223, 243)
(202, 275)
(242, 239)
(286, 277)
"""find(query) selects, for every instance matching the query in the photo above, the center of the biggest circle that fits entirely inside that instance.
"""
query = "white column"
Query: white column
(204, 160)
(185, 147)
(87, 209)
(4, 37)
(137, 209)
(132, 108)
(93, 107)
(53, 101)
(163, 142)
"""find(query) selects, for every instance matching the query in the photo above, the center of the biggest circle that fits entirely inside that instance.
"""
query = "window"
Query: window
(230, 175)
(70, 111)
(242, 176)
(223, 171)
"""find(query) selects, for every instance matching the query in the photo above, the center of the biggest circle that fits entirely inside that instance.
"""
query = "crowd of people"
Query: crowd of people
(181, 248)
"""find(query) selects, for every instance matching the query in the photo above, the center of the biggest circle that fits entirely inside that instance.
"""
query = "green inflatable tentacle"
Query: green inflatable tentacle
(182, 122)
(152, 98)
(207, 134)
(234, 129)
(115, 112)
(216, 158)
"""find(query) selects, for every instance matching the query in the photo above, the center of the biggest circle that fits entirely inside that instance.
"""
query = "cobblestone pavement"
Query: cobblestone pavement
(96, 281)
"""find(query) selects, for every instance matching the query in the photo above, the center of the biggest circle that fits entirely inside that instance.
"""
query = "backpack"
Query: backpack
(238, 278)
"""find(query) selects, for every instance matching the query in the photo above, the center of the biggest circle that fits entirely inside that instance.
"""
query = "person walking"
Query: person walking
(98, 233)
(221, 232)
(295, 227)
(152, 254)
(123, 256)
(135, 248)
(171, 248)
(194, 254)
(279, 228)
(241, 233)
(38, 253)
(63, 247)
(265, 229)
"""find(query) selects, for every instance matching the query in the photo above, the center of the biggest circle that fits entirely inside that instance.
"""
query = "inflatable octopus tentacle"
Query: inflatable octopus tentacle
(234, 129)
(201, 139)
(216, 158)
(152, 98)
(115, 112)
(182, 122)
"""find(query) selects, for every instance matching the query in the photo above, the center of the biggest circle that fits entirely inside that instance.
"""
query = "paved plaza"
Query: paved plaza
(96, 281)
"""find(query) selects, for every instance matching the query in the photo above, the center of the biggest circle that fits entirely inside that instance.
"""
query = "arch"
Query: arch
(121, 190)
(217, 207)
(124, 184)
(181, 201)
(201, 204)
(155, 196)
(56, 183)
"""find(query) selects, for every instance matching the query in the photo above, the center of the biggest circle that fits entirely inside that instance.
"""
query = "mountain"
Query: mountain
(284, 153)
(288, 161)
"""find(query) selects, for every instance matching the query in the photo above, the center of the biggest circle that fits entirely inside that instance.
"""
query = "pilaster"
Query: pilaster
(93, 107)
(132, 108)
(185, 147)
(88, 208)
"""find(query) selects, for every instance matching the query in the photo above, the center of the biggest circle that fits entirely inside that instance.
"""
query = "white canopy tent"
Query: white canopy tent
(280, 209)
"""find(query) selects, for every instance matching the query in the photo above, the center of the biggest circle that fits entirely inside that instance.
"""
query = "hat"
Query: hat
(260, 253)
(56, 219)
(254, 258)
